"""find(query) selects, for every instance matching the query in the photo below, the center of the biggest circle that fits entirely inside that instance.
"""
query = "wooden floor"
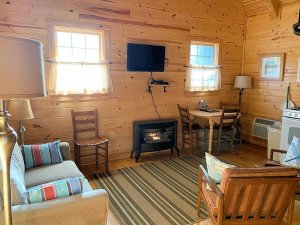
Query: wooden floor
(246, 155)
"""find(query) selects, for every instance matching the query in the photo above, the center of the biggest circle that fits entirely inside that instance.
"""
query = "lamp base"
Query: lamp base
(8, 139)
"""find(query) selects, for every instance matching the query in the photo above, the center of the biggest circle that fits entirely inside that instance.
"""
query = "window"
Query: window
(80, 64)
(203, 73)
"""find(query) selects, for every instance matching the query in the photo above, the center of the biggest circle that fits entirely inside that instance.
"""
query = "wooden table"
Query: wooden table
(213, 118)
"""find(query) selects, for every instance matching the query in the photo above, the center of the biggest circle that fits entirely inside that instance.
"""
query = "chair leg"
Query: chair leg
(97, 156)
(78, 157)
(241, 134)
(192, 142)
(219, 139)
(182, 139)
(290, 212)
(106, 157)
(199, 203)
(233, 137)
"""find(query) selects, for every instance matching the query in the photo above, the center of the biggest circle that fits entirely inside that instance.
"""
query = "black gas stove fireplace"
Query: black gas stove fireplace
(154, 135)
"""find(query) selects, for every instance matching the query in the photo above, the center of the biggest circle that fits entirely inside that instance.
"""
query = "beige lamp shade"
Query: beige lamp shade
(21, 68)
(20, 109)
(243, 82)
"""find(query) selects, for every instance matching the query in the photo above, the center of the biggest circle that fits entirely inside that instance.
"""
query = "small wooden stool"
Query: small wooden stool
(85, 130)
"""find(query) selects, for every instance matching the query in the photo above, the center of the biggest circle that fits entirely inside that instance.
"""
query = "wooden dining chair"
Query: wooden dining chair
(191, 133)
(228, 124)
(258, 196)
(85, 130)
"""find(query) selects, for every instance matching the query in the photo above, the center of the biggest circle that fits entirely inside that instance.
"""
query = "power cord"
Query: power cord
(154, 105)
(150, 92)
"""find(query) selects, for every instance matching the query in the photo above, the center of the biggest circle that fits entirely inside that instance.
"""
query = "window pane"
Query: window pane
(209, 50)
(64, 54)
(78, 40)
(92, 41)
(208, 61)
(204, 55)
(201, 61)
(92, 55)
(201, 50)
(194, 49)
(64, 39)
(78, 54)
(193, 60)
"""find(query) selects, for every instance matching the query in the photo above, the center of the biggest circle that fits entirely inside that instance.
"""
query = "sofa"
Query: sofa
(90, 207)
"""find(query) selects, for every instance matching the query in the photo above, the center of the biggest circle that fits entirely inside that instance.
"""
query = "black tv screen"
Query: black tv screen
(145, 58)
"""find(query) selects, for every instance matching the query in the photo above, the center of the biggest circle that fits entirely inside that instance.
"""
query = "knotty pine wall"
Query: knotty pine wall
(270, 35)
(166, 22)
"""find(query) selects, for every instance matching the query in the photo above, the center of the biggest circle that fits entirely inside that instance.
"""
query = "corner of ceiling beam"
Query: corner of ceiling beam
(274, 7)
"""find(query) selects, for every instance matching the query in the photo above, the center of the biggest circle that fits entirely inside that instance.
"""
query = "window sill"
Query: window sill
(80, 97)
(201, 93)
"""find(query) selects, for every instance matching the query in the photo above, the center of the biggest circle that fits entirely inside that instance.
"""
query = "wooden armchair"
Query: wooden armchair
(246, 196)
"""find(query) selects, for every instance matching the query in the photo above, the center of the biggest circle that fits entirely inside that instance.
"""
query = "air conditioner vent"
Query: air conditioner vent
(260, 127)
(265, 121)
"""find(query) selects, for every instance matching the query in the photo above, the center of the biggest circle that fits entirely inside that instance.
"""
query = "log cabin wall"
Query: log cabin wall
(167, 22)
(270, 34)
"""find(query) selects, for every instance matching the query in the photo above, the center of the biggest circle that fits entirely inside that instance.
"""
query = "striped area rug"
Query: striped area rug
(156, 193)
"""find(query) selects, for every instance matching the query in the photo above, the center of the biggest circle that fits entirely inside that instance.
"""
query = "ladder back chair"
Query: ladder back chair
(190, 132)
(228, 124)
(246, 196)
(85, 130)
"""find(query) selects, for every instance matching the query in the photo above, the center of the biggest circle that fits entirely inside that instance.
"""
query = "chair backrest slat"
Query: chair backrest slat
(270, 211)
(262, 202)
(251, 198)
(240, 194)
(85, 122)
(287, 193)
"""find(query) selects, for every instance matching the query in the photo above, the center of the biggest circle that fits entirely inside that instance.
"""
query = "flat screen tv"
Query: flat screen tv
(145, 58)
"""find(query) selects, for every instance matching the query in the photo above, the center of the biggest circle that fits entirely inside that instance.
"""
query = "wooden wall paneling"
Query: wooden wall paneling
(268, 35)
(146, 21)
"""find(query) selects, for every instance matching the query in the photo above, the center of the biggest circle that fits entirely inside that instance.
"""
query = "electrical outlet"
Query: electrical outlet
(112, 135)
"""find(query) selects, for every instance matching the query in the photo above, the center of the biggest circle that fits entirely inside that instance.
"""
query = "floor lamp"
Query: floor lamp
(21, 76)
(242, 82)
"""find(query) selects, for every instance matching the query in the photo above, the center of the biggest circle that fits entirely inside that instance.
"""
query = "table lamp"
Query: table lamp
(20, 109)
(21, 76)
(242, 82)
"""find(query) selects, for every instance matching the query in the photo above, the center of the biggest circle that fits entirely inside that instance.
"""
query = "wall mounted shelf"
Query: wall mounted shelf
(150, 86)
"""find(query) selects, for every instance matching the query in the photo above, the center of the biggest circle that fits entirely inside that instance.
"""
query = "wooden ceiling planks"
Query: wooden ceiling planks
(258, 7)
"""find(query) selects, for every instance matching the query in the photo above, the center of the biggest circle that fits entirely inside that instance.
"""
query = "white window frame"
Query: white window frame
(202, 70)
(103, 34)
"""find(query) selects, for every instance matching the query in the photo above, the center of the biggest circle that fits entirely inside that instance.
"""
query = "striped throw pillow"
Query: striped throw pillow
(43, 154)
(54, 190)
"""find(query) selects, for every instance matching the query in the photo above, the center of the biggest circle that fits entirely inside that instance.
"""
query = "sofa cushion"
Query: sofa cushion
(17, 182)
(17, 153)
(292, 157)
(45, 174)
(43, 154)
(55, 189)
